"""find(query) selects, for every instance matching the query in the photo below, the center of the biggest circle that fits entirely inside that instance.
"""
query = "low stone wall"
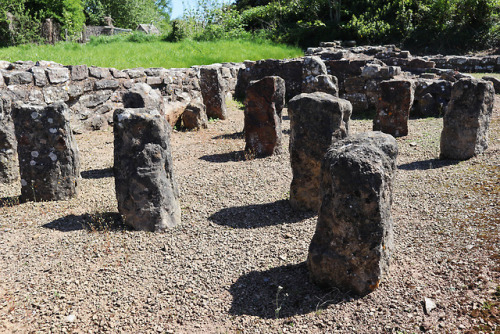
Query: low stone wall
(93, 93)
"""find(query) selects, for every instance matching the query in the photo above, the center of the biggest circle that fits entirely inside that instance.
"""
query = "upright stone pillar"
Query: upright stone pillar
(466, 120)
(315, 77)
(145, 186)
(352, 245)
(9, 169)
(316, 120)
(393, 107)
(49, 160)
(263, 105)
(212, 91)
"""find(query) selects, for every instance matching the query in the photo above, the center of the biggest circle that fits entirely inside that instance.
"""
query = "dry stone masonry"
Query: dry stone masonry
(393, 107)
(263, 105)
(467, 119)
(316, 121)
(49, 160)
(146, 190)
(351, 247)
(9, 171)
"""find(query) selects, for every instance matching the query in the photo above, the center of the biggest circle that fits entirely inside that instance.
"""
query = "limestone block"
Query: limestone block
(467, 118)
(263, 106)
(316, 120)
(117, 74)
(39, 76)
(79, 72)
(352, 245)
(18, 78)
(106, 84)
(393, 107)
(145, 186)
(49, 160)
(212, 90)
(53, 94)
(141, 95)
(99, 72)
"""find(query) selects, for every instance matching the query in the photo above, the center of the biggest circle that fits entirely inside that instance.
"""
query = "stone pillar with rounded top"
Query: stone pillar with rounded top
(263, 106)
(466, 119)
(145, 186)
(316, 121)
(49, 160)
(9, 169)
(213, 92)
(352, 245)
(393, 107)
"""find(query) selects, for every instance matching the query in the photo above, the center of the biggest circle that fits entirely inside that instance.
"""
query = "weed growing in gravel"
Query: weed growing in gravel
(277, 302)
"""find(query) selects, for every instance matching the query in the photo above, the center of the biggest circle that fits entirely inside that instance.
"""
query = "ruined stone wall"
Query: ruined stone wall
(93, 93)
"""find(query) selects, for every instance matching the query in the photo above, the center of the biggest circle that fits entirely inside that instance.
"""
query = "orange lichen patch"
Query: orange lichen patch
(374, 286)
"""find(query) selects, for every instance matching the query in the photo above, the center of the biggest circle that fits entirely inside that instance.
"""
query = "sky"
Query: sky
(178, 6)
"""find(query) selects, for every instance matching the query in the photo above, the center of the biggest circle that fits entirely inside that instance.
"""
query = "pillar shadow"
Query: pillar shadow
(225, 157)
(236, 135)
(258, 293)
(102, 221)
(97, 173)
(7, 202)
(259, 215)
(428, 164)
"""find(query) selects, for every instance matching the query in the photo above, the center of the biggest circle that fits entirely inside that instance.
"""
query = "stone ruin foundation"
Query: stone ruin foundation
(49, 160)
(146, 189)
(263, 106)
(467, 119)
(316, 120)
(352, 245)
(9, 171)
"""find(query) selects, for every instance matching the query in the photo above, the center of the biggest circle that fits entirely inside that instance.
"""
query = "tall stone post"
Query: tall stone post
(263, 106)
(316, 120)
(467, 119)
(49, 160)
(145, 186)
(352, 245)
(393, 107)
(213, 92)
(9, 169)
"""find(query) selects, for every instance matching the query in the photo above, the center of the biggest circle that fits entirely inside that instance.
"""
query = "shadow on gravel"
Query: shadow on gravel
(97, 222)
(259, 215)
(258, 293)
(225, 157)
(97, 173)
(428, 164)
(236, 135)
(7, 202)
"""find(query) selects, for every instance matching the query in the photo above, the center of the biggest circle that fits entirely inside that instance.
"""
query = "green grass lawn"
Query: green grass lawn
(121, 53)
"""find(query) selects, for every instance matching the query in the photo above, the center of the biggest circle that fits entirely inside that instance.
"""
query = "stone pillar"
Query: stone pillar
(9, 169)
(213, 92)
(467, 119)
(315, 77)
(393, 107)
(195, 116)
(263, 105)
(145, 186)
(49, 160)
(141, 95)
(352, 245)
(316, 120)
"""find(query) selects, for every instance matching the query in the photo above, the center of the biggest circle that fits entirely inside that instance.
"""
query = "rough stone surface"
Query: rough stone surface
(195, 116)
(495, 82)
(213, 93)
(316, 120)
(146, 190)
(466, 120)
(315, 77)
(141, 95)
(79, 72)
(49, 160)
(263, 105)
(9, 170)
(57, 75)
(353, 241)
(393, 107)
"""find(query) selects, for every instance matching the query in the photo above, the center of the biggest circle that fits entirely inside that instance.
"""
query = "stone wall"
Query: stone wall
(93, 93)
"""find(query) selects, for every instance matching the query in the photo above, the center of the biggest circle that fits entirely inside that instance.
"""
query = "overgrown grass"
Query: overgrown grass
(132, 51)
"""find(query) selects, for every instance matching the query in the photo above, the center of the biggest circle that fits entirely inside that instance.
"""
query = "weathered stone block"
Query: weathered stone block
(212, 90)
(39, 76)
(141, 95)
(146, 190)
(48, 154)
(9, 170)
(263, 106)
(195, 116)
(393, 107)
(467, 118)
(316, 120)
(79, 72)
(352, 245)
(18, 78)
(99, 72)
(106, 84)
(57, 75)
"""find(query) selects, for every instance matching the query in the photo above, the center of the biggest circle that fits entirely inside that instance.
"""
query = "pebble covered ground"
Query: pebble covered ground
(236, 263)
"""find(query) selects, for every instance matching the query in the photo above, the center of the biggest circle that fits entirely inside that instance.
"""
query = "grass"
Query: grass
(123, 52)
(481, 75)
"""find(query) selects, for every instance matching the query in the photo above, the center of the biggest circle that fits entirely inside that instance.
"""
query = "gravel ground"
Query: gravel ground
(71, 266)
